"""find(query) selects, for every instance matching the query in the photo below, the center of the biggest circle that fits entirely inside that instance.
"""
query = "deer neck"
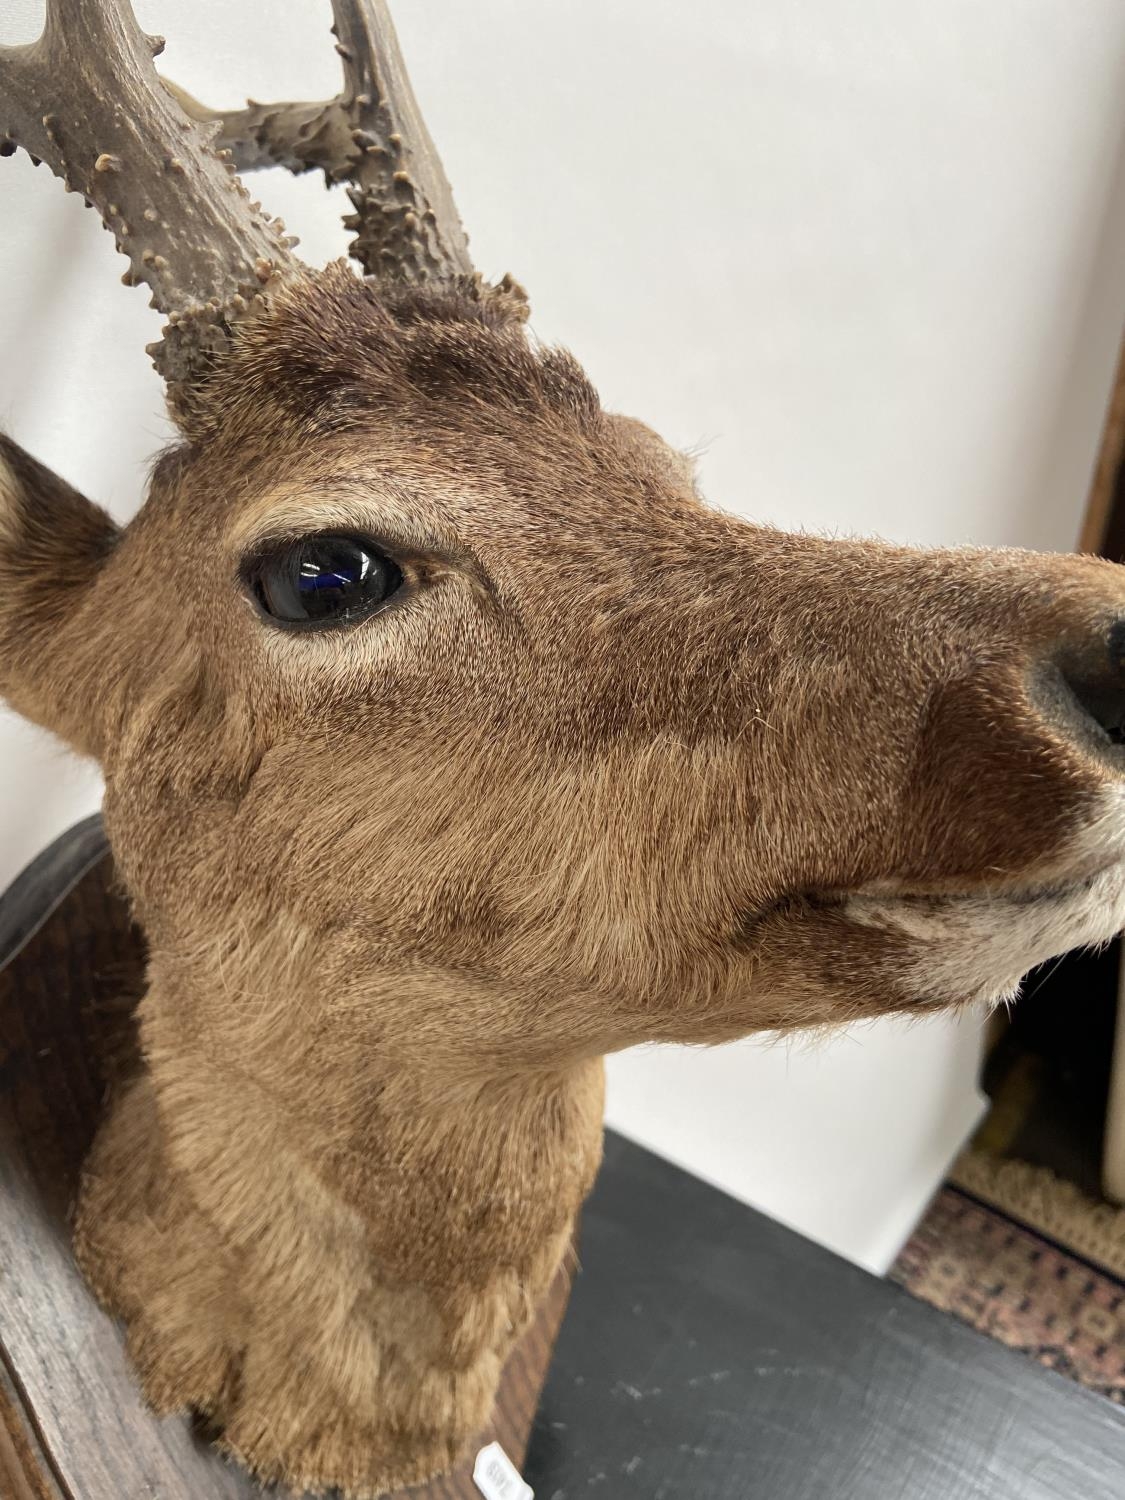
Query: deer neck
(354, 1261)
(414, 1210)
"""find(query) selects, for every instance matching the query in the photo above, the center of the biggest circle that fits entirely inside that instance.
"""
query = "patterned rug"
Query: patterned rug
(1010, 1249)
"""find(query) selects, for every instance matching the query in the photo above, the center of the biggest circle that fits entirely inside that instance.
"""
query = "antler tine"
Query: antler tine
(86, 99)
(405, 216)
(373, 136)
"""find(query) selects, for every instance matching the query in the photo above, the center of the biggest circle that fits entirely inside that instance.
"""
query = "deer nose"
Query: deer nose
(1096, 679)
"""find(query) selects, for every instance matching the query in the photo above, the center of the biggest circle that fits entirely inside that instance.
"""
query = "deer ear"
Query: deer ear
(53, 543)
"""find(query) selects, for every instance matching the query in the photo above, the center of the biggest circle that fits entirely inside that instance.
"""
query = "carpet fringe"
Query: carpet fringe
(1047, 1203)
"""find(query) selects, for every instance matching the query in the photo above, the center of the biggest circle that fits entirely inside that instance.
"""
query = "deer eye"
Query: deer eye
(321, 580)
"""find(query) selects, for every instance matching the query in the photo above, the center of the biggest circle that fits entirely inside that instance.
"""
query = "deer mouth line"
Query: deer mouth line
(882, 895)
(979, 946)
(1051, 892)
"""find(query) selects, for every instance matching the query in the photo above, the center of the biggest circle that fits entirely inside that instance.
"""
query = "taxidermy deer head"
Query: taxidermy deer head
(450, 741)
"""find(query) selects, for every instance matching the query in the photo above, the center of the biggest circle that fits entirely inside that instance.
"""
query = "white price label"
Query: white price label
(495, 1476)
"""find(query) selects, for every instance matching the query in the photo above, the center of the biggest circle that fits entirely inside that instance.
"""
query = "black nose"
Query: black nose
(1097, 680)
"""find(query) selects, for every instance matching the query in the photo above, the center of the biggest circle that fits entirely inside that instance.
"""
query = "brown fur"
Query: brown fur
(604, 774)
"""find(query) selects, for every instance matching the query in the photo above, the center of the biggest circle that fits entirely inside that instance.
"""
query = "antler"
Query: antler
(373, 136)
(86, 99)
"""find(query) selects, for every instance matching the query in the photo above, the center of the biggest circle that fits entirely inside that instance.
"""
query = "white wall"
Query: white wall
(870, 257)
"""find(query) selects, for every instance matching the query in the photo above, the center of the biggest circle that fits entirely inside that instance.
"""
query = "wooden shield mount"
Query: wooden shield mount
(72, 1422)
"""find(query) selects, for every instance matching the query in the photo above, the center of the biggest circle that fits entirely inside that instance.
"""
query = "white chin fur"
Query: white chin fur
(977, 949)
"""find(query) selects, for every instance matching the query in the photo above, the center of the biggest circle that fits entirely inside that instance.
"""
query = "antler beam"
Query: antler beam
(86, 99)
(373, 136)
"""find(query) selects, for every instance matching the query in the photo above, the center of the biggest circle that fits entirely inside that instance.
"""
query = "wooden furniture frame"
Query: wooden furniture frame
(1103, 532)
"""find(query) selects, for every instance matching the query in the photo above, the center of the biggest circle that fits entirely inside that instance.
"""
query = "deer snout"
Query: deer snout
(1094, 679)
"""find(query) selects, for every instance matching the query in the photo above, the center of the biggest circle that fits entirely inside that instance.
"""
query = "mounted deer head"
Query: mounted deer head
(450, 742)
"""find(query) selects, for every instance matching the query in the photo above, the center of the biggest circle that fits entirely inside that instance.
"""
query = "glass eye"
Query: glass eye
(322, 580)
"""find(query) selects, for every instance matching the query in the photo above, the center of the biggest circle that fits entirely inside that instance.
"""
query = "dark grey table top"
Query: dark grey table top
(711, 1354)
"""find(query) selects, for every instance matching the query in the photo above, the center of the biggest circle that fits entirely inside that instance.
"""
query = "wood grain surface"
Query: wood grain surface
(72, 1424)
